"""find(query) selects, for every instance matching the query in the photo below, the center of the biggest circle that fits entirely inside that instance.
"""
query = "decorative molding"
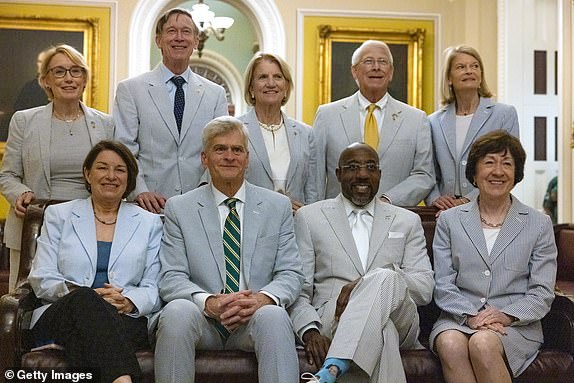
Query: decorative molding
(300, 65)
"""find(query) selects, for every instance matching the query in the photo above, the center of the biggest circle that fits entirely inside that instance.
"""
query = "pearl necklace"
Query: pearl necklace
(67, 121)
(271, 127)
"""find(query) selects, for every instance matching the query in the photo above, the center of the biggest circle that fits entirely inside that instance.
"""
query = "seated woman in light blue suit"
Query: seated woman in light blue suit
(97, 268)
(282, 154)
(468, 112)
(495, 268)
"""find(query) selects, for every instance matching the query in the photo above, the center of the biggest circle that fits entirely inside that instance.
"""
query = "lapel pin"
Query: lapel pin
(396, 115)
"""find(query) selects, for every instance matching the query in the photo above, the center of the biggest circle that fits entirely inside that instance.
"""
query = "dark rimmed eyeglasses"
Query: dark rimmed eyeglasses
(370, 167)
(60, 71)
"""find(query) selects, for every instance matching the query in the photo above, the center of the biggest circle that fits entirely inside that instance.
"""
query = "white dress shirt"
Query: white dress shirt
(200, 298)
(378, 112)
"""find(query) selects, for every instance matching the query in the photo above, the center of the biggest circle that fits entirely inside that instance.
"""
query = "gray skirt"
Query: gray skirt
(519, 346)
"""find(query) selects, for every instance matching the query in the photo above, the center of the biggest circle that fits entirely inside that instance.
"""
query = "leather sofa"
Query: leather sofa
(564, 235)
(554, 364)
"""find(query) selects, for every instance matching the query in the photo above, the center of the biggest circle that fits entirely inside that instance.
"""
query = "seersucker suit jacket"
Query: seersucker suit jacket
(169, 161)
(330, 257)
(26, 163)
(405, 150)
(517, 277)
(68, 252)
(192, 256)
(488, 116)
(302, 171)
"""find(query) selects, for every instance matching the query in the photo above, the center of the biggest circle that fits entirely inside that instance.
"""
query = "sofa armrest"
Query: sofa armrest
(558, 325)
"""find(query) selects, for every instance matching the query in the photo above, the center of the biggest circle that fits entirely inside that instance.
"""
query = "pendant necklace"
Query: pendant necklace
(69, 121)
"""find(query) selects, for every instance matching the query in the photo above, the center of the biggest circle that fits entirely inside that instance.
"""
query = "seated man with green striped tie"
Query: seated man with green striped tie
(230, 266)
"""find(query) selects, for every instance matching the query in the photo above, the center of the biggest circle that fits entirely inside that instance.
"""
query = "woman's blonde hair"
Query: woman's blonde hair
(251, 69)
(447, 93)
(70, 52)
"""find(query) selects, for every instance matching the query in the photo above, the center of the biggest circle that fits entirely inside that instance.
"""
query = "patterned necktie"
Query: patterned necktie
(361, 235)
(371, 128)
(179, 102)
(232, 247)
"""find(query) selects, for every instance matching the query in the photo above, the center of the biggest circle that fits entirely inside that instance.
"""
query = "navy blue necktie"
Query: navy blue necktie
(179, 102)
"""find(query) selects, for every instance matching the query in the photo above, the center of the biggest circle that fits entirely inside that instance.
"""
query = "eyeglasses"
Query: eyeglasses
(60, 72)
(371, 62)
(371, 167)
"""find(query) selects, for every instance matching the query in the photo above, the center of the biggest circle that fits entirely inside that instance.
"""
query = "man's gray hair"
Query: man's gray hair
(358, 53)
(223, 125)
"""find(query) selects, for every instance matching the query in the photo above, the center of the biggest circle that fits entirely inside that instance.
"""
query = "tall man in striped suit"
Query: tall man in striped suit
(366, 269)
(229, 267)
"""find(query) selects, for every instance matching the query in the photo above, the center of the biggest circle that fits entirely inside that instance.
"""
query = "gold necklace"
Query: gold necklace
(104, 222)
(67, 121)
(493, 225)
(271, 127)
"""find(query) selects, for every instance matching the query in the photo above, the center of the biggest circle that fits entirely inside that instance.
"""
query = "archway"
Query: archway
(264, 14)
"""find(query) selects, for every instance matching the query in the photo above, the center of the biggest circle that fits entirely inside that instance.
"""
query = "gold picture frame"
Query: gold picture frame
(336, 45)
(26, 29)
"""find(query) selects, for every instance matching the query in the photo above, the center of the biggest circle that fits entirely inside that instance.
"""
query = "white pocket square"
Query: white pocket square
(396, 234)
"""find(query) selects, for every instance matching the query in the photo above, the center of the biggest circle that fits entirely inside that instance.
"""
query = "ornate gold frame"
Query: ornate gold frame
(413, 38)
(91, 34)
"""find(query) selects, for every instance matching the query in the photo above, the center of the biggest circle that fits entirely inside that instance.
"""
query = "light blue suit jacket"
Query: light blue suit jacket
(302, 171)
(67, 252)
(192, 257)
(26, 163)
(169, 161)
(488, 116)
(405, 150)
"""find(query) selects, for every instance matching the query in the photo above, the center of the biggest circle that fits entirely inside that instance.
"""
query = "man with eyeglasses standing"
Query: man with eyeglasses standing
(398, 132)
(359, 300)
(159, 115)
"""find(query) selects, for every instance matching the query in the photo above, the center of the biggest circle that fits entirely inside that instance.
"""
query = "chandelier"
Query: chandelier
(208, 24)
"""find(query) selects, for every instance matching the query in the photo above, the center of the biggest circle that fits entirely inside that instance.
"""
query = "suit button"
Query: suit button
(463, 163)
(177, 188)
(464, 184)
(482, 300)
(487, 273)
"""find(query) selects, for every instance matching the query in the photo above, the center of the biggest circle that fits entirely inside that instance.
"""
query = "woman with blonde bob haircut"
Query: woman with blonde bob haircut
(282, 150)
(46, 145)
(468, 111)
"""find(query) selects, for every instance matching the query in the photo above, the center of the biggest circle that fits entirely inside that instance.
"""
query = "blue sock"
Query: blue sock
(326, 376)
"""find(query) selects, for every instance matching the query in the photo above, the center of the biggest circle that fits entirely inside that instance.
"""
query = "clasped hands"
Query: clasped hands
(490, 319)
(235, 309)
(113, 295)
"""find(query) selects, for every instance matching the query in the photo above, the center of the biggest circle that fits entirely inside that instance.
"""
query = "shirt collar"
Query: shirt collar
(349, 206)
(166, 74)
(220, 197)
(364, 103)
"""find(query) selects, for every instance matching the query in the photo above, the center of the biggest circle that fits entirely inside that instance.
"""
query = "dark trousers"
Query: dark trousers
(93, 334)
